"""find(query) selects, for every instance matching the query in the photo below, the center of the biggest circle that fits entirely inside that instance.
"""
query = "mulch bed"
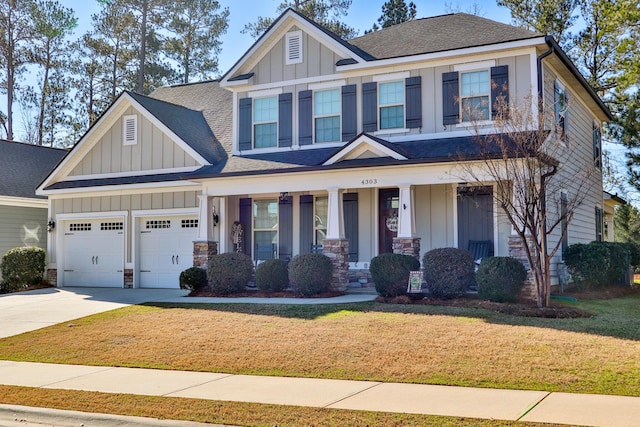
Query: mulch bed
(257, 293)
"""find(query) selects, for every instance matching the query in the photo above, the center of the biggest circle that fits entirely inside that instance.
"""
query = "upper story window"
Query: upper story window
(597, 145)
(475, 93)
(265, 122)
(561, 107)
(326, 112)
(391, 104)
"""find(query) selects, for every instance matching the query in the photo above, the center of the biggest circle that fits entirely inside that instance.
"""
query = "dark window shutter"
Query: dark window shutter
(350, 211)
(413, 94)
(285, 110)
(499, 88)
(370, 107)
(597, 146)
(349, 113)
(450, 95)
(566, 116)
(305, 117)
(599, 224)
(306, 224)
(246, 219)
(244, 138)
(285, 228)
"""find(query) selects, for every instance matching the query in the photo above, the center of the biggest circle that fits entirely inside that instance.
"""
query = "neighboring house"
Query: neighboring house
(606, 233)
(309, 143)
(23, 215)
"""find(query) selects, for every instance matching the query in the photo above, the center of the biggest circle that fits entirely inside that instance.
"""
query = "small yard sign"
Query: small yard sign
(415, 282)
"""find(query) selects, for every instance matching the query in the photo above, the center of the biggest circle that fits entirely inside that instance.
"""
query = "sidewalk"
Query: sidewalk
(537, 406)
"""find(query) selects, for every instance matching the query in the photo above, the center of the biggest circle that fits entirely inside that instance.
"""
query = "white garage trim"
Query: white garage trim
(136, 232)
(61, 220)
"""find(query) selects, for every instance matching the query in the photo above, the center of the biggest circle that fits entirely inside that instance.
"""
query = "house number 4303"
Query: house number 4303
(369, 181)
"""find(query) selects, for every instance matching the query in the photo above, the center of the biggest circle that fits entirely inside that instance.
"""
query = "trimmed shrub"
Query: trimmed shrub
(310, 274)
(448, 272)
(390, 273)
(500, 279)
(272, 275)
(229, 273)
(634, 253)
(598, 263)
(193, 279)
(21, 268)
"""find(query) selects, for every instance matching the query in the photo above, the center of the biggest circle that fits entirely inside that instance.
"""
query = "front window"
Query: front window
(475, 91)
(391, 102)
(321, 207)
(265, 229)
(265, 122)
(326, 112)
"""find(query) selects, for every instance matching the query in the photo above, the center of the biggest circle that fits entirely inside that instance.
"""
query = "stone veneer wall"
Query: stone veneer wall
(52, 276)
(517, 251)
(407, 246)
(360, 278)
(128, 278)
(338, 251)
(202, 253)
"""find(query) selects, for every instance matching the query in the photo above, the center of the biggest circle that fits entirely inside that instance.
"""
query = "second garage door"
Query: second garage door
(165, 250)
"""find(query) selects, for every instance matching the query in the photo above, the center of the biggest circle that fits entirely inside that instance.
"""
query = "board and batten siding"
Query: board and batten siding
(154, 150)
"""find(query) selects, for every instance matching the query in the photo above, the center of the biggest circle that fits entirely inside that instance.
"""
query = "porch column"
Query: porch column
(406, 241)
(517, 248)
(336, 246)
(205, 245)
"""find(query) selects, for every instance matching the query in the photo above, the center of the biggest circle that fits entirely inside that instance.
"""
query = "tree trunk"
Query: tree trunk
(43, 97)
(143, 46)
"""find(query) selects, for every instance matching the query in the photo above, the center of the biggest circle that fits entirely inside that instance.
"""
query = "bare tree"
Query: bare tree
(536, 186)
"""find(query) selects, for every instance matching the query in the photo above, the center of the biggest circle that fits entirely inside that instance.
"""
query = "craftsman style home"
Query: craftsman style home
(313, 143)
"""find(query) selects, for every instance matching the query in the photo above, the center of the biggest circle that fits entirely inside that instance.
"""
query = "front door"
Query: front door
(388, 222)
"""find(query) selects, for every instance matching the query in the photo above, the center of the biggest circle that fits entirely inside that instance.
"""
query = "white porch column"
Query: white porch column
(335, 220)
(205, 220)
(406, 216)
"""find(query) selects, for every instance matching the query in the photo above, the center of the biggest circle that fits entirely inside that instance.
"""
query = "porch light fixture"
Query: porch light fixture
(51, 225)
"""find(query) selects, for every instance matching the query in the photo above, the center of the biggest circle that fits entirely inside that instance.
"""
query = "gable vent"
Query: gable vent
(130, 130)
(294, 47)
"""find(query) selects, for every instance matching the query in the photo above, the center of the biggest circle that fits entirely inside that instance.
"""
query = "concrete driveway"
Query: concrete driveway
(27, 311)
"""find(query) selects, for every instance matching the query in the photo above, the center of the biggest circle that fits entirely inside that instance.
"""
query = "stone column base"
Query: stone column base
(52, 276)
(517, 250)
(202, 253)
(338, 251)
(128, 278)
(407, 246)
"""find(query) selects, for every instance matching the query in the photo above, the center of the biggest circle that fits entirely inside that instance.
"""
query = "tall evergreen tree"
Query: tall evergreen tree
(16, 34)
(627, 224)
(553, 17)
(52, 24)
(396, 12)
(195, 43)
(327, 13)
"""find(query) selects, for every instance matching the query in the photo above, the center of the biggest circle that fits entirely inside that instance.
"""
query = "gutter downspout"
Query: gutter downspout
(540, 81)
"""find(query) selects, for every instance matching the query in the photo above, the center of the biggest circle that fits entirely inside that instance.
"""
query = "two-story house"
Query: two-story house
(311, 143)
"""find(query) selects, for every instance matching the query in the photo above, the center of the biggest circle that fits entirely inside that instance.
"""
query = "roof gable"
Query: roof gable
(240, 73)
(167, 123)
(366, 146)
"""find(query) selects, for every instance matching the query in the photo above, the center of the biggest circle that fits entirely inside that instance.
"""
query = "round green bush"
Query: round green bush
(272, 275)
(500, 279)
(449, 272)
(390, 273)
(21, 268)
(229, 273)
(193, 279)
(310, 274)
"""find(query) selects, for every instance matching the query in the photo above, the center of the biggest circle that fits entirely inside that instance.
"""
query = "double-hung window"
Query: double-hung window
(320, 215)
(265, 122)
(265, 228)
(475, 93)
(326, 112)
(391, 105)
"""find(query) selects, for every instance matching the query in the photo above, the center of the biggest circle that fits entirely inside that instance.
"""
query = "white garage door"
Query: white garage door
(93, 253)
(165, 250)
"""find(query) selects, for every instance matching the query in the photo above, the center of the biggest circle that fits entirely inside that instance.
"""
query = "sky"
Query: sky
(362, 15)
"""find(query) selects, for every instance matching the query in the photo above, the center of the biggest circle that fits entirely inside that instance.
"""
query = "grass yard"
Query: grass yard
(368, 341)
